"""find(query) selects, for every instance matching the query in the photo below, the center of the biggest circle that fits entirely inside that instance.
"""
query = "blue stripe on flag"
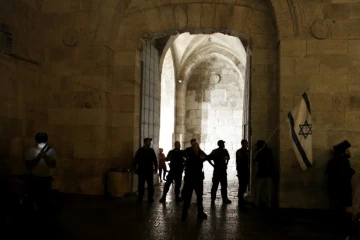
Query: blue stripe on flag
(306, 99)
(297, 142)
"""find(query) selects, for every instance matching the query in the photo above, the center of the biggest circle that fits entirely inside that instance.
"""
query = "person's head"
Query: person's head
(41, 139)
(161, 150)
(196, 147)
(221, 144)
(260, 144)
(147, 142)
(177, 145)
(342, 149)
(244, 143)
(192, 141)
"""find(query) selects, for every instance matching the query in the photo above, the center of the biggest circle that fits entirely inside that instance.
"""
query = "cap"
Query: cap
(145, 139)
(221, 141)
(341, 147)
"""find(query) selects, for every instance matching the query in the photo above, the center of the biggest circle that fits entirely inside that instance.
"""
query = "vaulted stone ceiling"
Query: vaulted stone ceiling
(191, 50)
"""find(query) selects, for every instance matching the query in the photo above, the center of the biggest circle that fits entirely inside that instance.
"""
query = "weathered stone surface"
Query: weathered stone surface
(194, 15)
(208, 11)
(346, 29)
(287, 65)
(336, 11)
(338, 65)
(180, 12)
(329, 83)
(222, 16)
(336, 47)
(293, 48)
(307, 65)
(153, 18)
(321, 28)
(168, 17)
(354, 9)
(263, 56)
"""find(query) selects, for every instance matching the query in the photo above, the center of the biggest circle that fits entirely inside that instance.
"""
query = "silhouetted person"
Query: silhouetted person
(356, 202)
(176, 158)
(162, 164)
(193, 180)
(221, 158)
(339, 174)
(186, 155)
(145, 166)
(189, 149)
(266, 172)
(243, 170)
(41, 160)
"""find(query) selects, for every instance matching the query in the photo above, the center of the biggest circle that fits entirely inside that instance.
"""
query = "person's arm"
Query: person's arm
(155, 161)
(31, 161)
(351, 171)
(228, 156)
(237, 161)
(209, 158)
(356, 204)
(187, 152)
(136, 161)
(50, 158)
(168, 157)
(30, 164)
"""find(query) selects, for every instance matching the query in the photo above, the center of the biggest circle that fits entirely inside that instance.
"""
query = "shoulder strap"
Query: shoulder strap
(46, 148)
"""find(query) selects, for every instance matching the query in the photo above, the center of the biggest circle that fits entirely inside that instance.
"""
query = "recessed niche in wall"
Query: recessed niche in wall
(215, 78)
(6, 39)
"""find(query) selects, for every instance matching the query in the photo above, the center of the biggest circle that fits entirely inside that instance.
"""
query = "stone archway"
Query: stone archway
(117, 33)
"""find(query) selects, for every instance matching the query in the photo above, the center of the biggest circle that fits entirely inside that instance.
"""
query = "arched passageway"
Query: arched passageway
(210, 72)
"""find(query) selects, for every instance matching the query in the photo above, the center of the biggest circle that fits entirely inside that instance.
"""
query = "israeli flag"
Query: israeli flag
(301, 132)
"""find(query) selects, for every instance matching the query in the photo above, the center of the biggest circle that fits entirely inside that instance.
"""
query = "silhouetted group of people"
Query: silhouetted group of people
(191, 162)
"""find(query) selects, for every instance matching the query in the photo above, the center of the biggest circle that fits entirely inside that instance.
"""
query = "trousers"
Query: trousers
(189, 186)
(243, 183)
(40, 189)
(219, 177)
(173, 176)
(149, 178)
(261, 185)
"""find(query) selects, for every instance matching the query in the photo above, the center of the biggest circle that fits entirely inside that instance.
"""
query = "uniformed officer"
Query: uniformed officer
(177, 160)
(145, 166)
(221, 158)
(193, 180)
(243, 170)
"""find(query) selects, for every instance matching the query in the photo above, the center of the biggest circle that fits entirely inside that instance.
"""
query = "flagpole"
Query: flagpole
(281, 122)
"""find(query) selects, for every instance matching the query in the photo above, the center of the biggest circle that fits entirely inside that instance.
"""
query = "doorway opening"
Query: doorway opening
(201, 91)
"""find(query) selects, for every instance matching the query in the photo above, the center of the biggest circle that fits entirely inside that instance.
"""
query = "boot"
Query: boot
(184, 216)
(202, 215)
(227, 201)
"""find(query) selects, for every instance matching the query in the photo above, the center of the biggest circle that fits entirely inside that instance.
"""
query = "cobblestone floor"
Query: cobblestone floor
(87, 217)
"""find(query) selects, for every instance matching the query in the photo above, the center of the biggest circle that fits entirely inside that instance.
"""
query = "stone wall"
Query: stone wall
(323, 58)
(87, 93)
(167, 109)
(88, 80)
(214, 108)
(25, 81)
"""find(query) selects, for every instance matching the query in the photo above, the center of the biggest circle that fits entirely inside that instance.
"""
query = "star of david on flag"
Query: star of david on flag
(301, 132)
